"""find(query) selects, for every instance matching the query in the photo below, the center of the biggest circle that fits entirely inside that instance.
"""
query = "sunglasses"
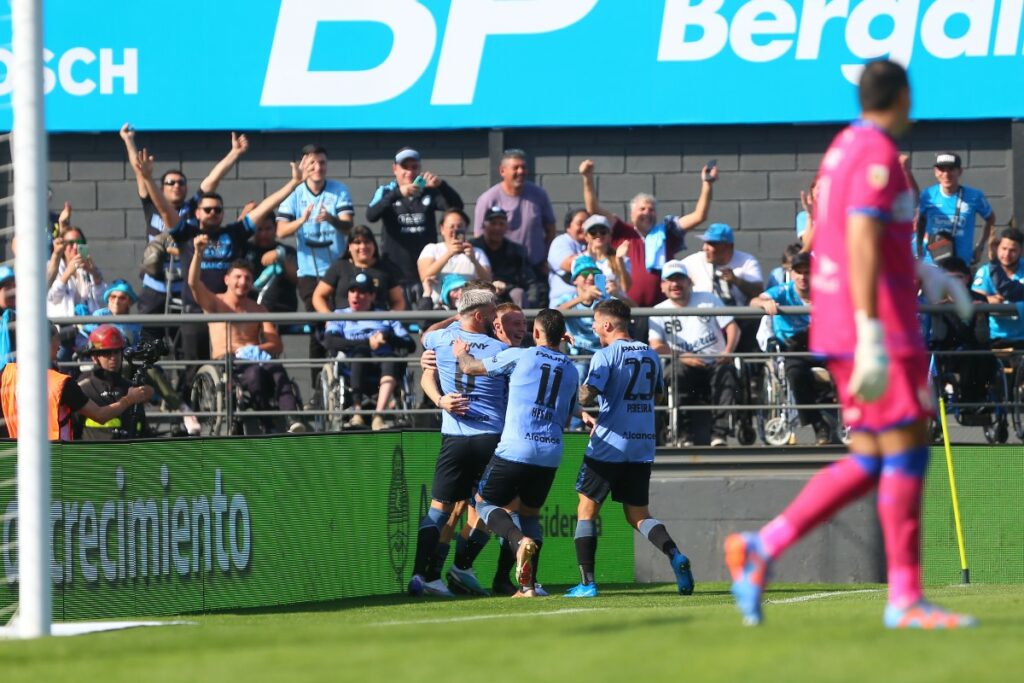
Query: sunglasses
(171, 183)
(212, 209)
(599, 231)
(74, 241)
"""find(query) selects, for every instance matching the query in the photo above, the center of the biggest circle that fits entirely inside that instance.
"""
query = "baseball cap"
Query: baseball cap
(495, 212)
(450, 284)
(596, 221)
(406, 153)
(718, 232)
(673, 268)
(120, 285)
(948, 159)
(6, 273)
(363, 282)
(582, 265)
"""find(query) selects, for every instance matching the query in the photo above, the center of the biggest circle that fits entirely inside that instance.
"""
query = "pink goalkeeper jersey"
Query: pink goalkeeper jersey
(861, 173)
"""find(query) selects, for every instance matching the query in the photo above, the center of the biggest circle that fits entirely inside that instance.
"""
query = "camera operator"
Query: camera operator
(105, 384)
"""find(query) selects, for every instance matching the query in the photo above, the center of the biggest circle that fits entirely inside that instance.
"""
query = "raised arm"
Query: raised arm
(239, 146)
(268, 205)
(128, 136)
(590, 200)
(700, 212)
(203, 296)
(142, 164)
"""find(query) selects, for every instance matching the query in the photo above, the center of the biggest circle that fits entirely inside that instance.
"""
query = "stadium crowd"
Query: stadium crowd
(416, 248)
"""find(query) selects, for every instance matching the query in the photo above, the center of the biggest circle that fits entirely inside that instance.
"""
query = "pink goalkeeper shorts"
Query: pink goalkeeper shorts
(908, 397)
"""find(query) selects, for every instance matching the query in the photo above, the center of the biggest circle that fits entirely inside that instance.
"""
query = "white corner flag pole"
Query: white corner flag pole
(29, 155)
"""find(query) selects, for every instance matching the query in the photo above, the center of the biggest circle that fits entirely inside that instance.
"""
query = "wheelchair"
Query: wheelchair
(333, 398)
(740, 421)
(210, 393)
(1002, 392)
(778, 424)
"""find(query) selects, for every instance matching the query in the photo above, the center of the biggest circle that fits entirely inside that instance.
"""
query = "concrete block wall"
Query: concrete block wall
(699, 513)
(763, 169)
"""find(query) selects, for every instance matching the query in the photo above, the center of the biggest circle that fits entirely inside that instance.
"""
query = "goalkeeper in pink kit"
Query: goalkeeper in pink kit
(865, 324)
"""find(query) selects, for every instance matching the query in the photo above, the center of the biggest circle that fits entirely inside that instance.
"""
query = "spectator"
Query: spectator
(650, 245)
(948, 332)
(105, 384)
(248, 341)
(56, 243)
(948, 209)
(588, 295)
(64, 398)
(319, 213)
(733, 276)
(367, 339)
(995, 281)
(451, 292)
(563, 251)
(8, 295)
(406, 206)
(225, 244)
(791, 333)
(531, 219)
(76, 290)
(164, 207)
(704, 370)
(276, 265)
(453, 256)
(362, 255)
(780, 275)
(614, 263)
(118, 298)
(513, 275)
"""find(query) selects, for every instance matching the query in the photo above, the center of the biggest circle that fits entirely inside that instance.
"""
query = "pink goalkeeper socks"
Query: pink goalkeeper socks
(899, 511)
(826, 492)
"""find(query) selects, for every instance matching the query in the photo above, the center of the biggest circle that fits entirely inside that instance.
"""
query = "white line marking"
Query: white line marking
(819, 596)
(482, 617)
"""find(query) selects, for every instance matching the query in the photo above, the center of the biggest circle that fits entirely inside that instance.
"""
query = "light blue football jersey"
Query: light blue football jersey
(628, 376)
(318, 244)
(542, 393)
(488, 396)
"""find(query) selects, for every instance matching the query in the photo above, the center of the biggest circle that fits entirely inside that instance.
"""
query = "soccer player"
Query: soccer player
(624, 378)
(471, 425)
(542, 394)
(865, 323)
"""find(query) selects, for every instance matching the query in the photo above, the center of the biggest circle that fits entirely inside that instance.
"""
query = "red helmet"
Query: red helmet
(106, 338)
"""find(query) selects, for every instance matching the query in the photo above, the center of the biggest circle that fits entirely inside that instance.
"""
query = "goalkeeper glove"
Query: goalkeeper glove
(937, 285)
(870, 360)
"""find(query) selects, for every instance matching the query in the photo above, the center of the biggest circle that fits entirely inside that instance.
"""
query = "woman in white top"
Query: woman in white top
(78, 279)
(613, 263)
(453, 256)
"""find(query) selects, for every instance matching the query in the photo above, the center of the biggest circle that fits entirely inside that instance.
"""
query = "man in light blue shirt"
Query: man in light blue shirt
(994, 280)
(949, 207)
(624, 379)
(542, 395)
(471, 425)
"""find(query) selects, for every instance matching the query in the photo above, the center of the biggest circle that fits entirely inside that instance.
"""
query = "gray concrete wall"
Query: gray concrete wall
(763, 170)
(700, 512)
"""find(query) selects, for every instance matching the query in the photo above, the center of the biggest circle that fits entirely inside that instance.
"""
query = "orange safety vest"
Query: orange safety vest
(59, 416)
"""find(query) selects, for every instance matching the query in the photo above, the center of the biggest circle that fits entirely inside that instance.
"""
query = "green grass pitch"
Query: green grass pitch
(629, 633)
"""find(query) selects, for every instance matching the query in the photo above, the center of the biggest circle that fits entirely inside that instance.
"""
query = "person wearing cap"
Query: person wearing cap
(407, 208)
(563, 251)
(587, 278)
(531, 217)
(614, 263)
(454, 255)
(650, 242)
(790, 331)
(164, 206)
(105, 383)
(511, 271)
(704, 371)
(951, 208)
(366, 339)
(64, 398)
(247, 340)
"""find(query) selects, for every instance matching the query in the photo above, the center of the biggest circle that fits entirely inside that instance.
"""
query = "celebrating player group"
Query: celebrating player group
(504, 408)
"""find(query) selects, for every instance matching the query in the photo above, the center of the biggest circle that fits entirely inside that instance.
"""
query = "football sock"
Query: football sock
(899, 511)
(657, 534)
(500, 522)
(438, 559)
(506, 560)
(426, 542)
(533, 529)
(478, 538)
(586, 549)
(827, 492)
